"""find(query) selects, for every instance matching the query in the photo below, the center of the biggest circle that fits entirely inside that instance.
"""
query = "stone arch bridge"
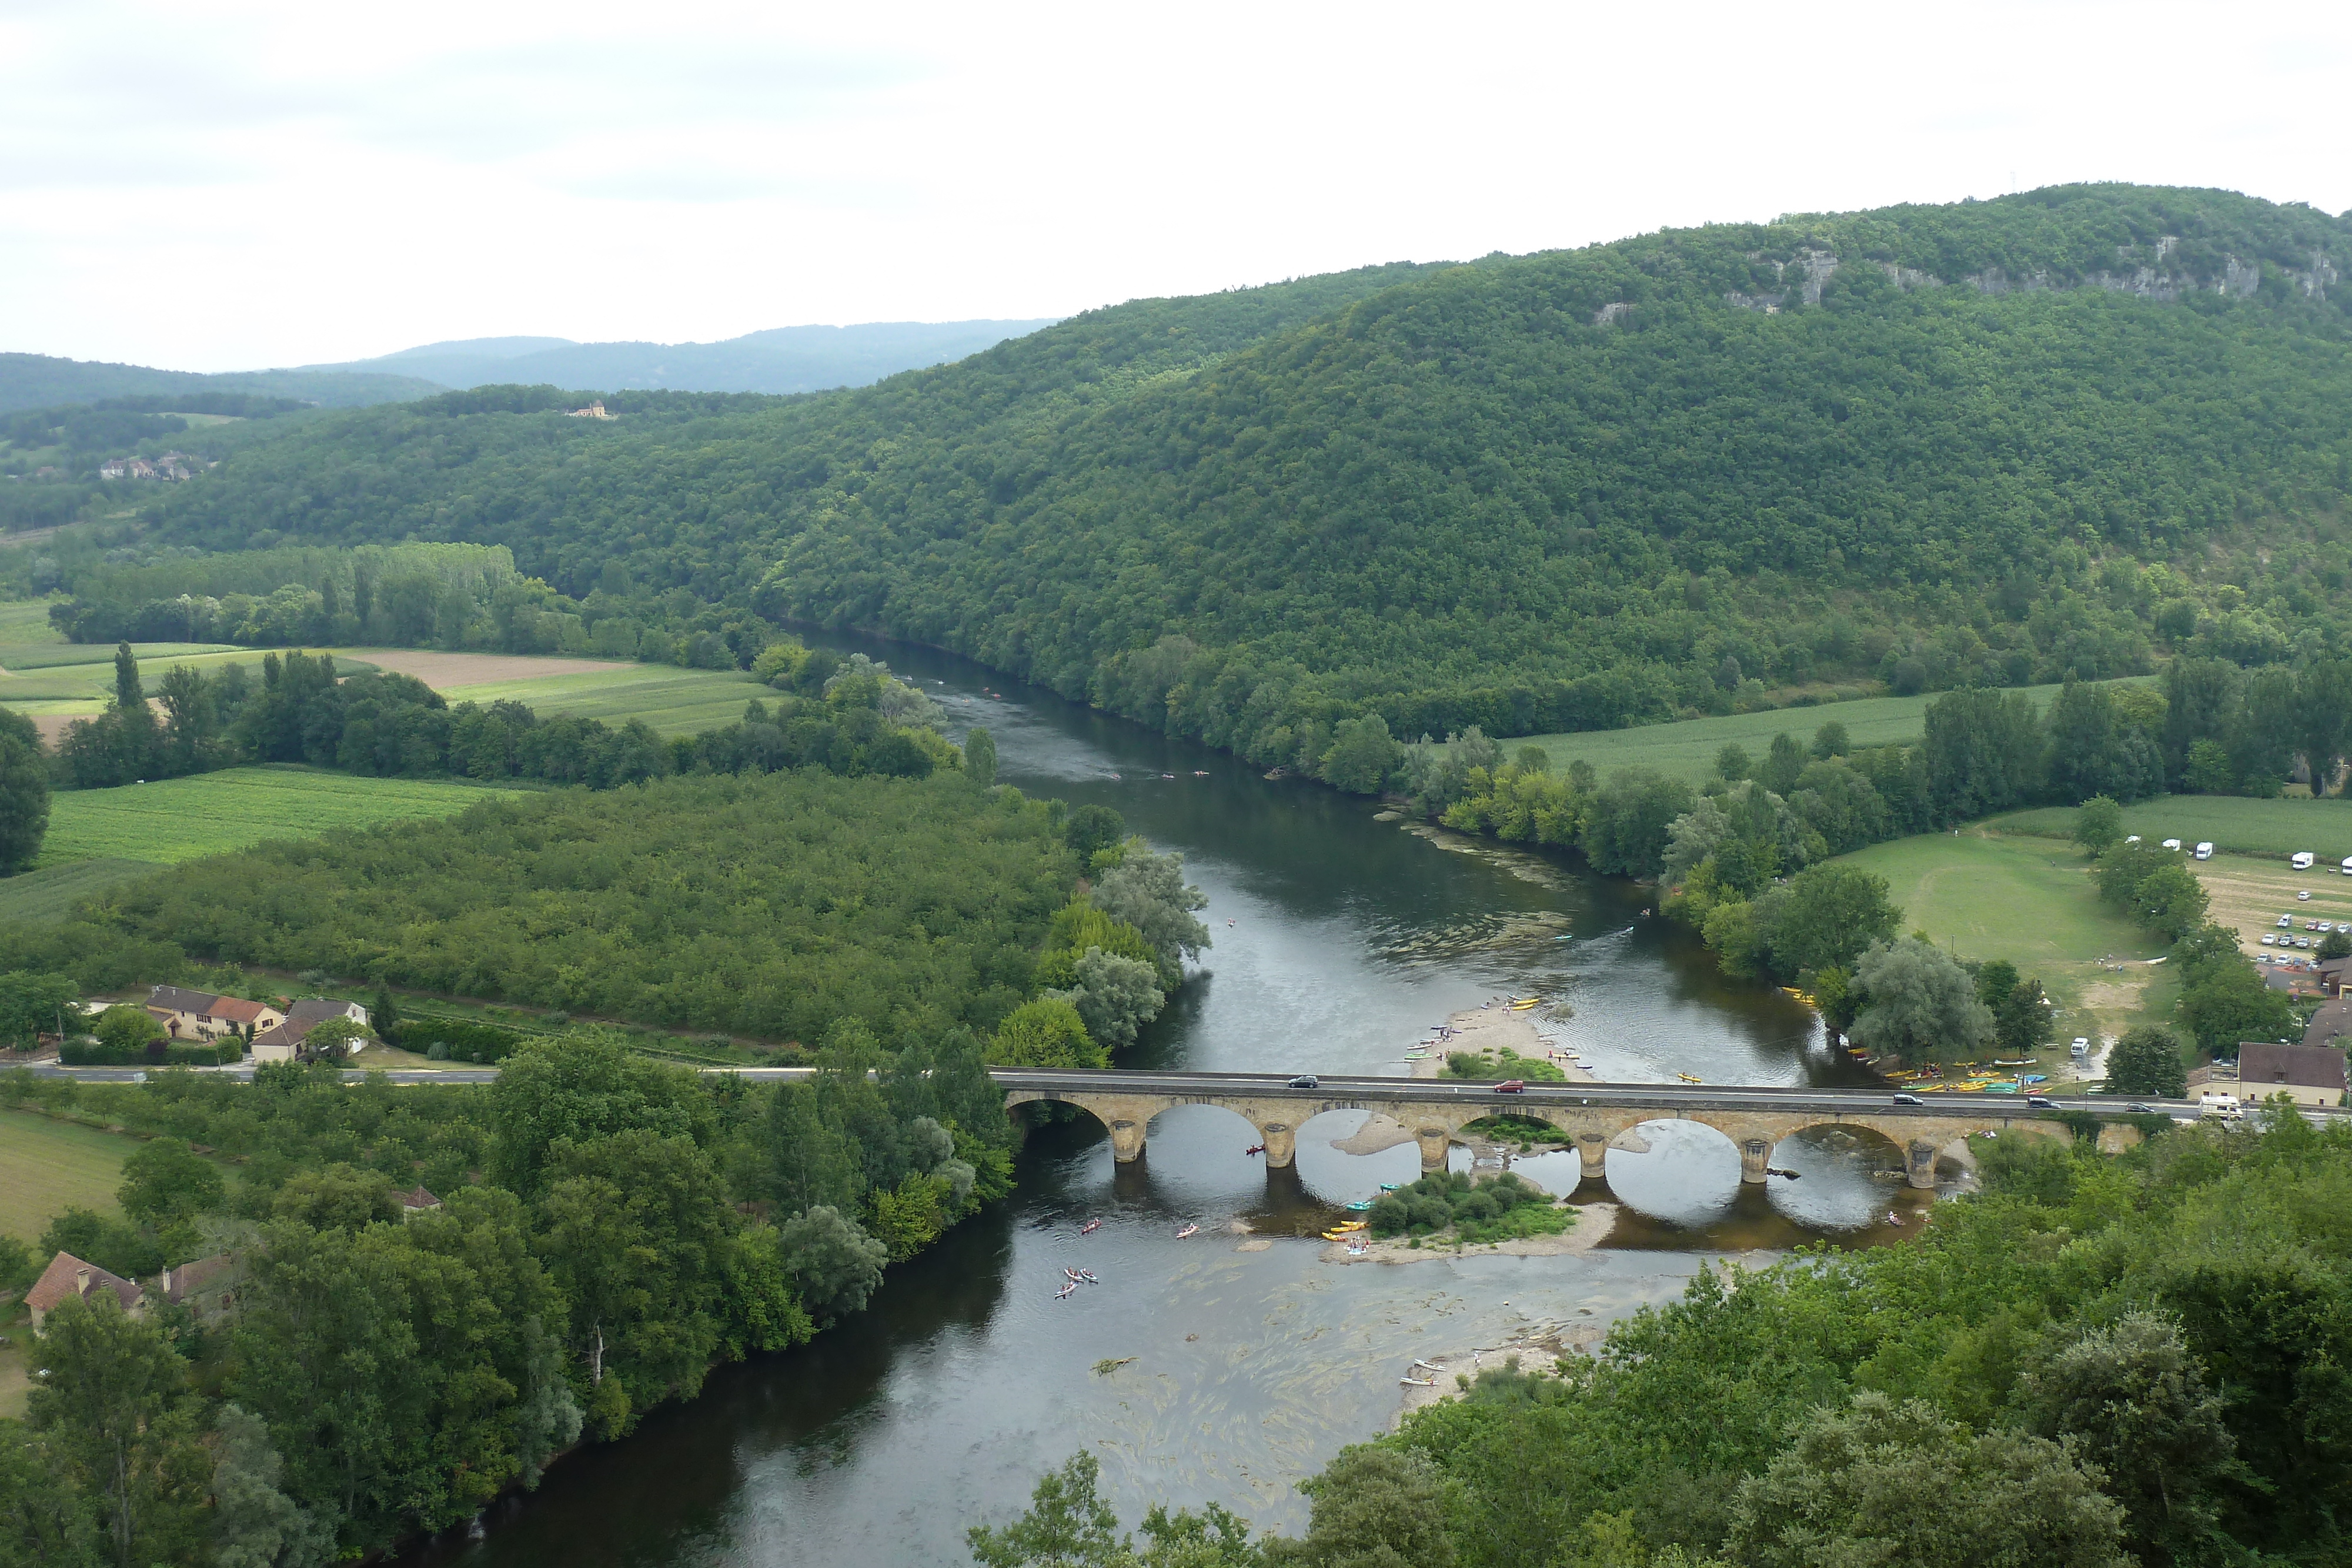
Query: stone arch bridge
(1591, 1116)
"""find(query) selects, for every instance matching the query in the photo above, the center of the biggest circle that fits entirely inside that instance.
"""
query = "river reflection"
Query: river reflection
(1339, 940)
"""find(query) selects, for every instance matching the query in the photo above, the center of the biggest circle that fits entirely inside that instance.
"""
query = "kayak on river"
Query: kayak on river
(1066, 1289)
(1188, 1230)
(1090, 1226)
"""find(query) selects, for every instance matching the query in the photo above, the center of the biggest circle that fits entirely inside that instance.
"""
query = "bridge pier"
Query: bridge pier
(1281, 1143)
(1592, 1150)
(1433, 1141)
(1126, 1141)
(1919, 1159)
(1756, 1158)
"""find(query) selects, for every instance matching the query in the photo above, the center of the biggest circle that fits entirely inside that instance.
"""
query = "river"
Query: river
(1243, 1360)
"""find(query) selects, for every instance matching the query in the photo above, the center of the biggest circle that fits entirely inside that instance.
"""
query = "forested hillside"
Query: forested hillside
(1997, 442)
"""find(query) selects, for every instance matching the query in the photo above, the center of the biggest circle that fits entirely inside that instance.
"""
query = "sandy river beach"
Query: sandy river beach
(1492, 1031)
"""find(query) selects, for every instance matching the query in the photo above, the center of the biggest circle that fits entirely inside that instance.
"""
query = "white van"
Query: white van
(2225, 1106)
(2301, 860)
(2172, 843)
(2347, 865)
(2080, 1048)
(2205, 851)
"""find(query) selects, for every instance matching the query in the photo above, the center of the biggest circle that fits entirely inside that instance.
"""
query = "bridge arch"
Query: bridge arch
(1679, 1169)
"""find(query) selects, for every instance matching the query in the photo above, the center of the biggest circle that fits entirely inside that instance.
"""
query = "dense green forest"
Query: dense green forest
(2098, 1362)
(610, 1228)
(1993, 443)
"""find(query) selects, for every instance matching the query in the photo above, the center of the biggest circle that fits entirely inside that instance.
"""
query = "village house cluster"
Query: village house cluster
(270, 1033)
(171, 466)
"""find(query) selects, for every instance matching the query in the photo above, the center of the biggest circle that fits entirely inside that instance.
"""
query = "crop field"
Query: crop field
(2233, 824)
(47, 893)
(674, 701)
(1686, 749)
(174, 820)
(48, 1168)
(2032, 902)
(446, 671)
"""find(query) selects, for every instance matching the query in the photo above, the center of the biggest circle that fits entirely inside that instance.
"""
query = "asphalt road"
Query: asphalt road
(1665, 1097)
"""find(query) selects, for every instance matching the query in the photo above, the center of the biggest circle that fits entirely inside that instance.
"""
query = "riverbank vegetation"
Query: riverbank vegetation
(608, 1229)
(2096, 1360)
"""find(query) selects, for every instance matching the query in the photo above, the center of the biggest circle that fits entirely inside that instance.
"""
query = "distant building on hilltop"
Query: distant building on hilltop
(593, 411)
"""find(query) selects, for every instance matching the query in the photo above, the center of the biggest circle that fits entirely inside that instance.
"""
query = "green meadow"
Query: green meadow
(1685, 749)
(48, 1168)
(2031, 901)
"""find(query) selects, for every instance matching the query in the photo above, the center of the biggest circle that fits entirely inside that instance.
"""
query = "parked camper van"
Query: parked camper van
(2222, 1105)
(2205, 851)
(2302, 860)
(2172, 843)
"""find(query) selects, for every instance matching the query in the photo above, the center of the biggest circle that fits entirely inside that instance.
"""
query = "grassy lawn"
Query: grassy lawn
(1686, 749)
(174, 820)
(2232, 823)
(48, 1168)
(2032, 902)
(674, 701)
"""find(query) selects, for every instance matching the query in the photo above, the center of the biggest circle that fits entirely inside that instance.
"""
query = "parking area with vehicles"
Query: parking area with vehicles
(2251, 895)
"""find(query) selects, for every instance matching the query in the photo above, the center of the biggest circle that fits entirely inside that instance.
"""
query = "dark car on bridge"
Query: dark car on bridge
(1511, 1086)
(1304, 1080)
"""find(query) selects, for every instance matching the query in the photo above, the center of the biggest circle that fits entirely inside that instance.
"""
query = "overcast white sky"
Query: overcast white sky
(250, 182)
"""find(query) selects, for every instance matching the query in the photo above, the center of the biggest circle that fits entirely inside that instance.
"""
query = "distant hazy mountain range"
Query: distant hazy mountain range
(36, 381)
(780, 359)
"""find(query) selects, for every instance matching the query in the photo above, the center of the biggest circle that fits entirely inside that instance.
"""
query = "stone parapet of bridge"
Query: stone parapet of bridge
(1591, 1130)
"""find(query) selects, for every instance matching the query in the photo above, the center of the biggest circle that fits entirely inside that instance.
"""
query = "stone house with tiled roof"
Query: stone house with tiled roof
(68, 1277)
(283, 1043)
(201, 1016)
(206, 1287)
